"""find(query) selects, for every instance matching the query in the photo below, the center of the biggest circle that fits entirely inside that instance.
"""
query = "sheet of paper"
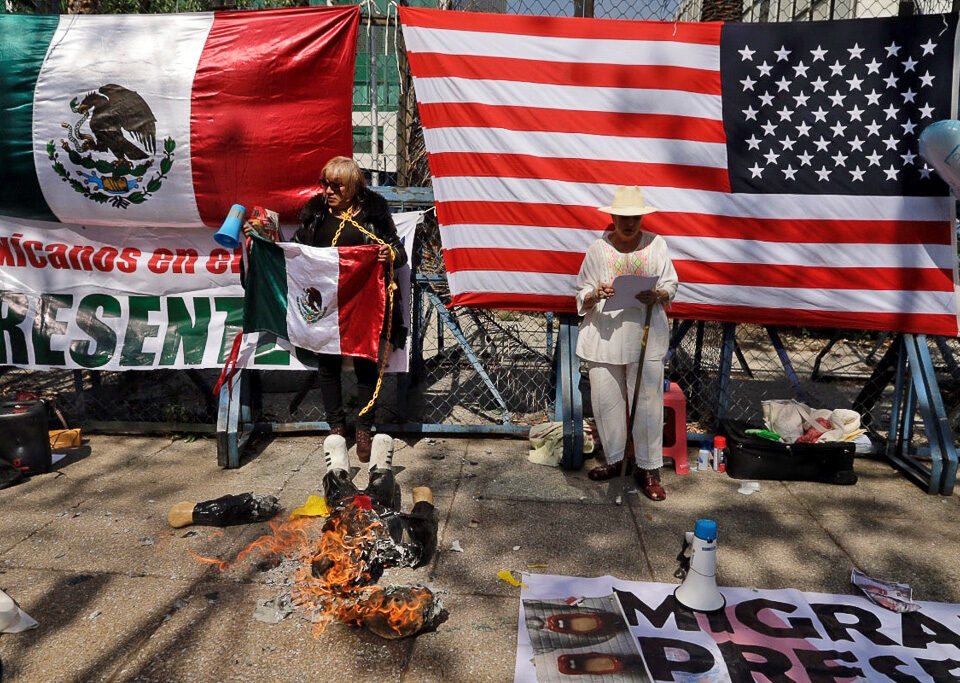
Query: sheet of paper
(625, 290)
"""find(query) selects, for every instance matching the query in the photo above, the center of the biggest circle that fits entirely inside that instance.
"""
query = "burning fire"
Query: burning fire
(336, 572)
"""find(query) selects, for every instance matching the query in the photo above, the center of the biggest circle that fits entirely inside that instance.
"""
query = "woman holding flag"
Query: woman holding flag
(619, 344)
(345, 195)
(346, 213)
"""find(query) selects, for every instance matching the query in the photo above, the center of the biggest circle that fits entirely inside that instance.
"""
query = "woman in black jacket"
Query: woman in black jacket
(344, 192)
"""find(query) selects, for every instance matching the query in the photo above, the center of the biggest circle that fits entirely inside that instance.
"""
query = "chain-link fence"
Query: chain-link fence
(824, 368)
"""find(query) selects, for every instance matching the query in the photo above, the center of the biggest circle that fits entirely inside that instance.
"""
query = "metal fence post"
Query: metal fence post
(233, 421)
(568, 391)
(785, 362)
(916, 388)
(726, 361)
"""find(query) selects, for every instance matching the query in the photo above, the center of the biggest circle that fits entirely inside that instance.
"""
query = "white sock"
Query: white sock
(335, 453)
(381, 452)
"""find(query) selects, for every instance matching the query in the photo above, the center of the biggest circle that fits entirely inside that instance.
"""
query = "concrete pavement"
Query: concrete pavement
(87, 551)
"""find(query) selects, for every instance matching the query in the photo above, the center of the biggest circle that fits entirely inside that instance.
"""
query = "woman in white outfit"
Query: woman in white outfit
(610, 342)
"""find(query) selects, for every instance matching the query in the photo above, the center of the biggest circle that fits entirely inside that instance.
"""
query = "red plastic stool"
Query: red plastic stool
(675, 428)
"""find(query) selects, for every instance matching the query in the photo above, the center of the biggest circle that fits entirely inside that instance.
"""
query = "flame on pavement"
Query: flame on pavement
(334, 577)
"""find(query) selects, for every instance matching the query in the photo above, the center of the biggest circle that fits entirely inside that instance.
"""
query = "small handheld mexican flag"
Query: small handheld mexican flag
(324, 299)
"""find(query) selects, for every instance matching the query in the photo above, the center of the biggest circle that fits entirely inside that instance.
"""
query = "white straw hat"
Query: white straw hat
(628, 201)
(12, 618)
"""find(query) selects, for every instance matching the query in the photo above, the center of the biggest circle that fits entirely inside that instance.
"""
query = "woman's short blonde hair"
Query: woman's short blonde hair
(345, 171)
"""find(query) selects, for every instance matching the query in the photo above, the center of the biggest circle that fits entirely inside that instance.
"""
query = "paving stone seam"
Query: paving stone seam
(299, 467)
(157, 452)
(472, 442)
(524, 499)
(11, 564)
(817, 520)
(643, 545)
(434, 563)
(116, 670)
(32, 533)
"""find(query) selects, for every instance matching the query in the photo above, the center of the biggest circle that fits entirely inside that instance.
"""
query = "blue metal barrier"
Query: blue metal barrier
(915, 388)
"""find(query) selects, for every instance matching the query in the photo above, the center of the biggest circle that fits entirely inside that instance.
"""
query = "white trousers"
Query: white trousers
(611, 387)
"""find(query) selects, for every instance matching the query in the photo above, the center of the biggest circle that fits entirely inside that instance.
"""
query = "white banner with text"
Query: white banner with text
(109, 298)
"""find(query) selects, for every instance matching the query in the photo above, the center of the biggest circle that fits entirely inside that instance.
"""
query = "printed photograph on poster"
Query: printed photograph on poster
(584, 638)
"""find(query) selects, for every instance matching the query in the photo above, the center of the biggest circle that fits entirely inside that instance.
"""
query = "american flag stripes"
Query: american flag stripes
(782, 158)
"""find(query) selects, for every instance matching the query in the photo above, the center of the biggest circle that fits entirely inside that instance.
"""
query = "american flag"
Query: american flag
(783, 159)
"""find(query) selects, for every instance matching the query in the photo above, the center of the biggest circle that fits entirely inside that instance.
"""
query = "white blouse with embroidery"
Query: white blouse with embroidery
(616, 337)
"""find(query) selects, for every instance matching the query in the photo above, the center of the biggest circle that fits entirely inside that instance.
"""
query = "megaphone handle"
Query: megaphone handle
(683, 559)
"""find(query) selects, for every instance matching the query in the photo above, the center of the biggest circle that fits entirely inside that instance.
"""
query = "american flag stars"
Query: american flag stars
(834, 116)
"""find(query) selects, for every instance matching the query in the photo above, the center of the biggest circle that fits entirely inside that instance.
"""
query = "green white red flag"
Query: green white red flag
(323, 299)
(168, 120)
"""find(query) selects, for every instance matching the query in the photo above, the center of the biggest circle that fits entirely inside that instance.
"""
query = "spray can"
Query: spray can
(703, 459)
(719, 453)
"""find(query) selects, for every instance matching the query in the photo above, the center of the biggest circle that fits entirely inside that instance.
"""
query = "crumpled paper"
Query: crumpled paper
(894, 596)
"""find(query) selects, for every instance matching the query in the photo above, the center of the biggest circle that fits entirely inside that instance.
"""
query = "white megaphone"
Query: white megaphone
(699, 588)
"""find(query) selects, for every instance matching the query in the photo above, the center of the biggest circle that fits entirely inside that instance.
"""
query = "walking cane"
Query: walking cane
(632, 407)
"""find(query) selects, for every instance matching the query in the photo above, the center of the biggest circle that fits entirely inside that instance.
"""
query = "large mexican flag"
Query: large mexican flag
(324, 299)
(168, 120)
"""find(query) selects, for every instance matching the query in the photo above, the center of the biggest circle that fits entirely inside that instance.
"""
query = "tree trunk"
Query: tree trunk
(83, 6)
(722, 10)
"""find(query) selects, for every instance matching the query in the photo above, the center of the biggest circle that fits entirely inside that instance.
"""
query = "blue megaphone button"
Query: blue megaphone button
(705, 530)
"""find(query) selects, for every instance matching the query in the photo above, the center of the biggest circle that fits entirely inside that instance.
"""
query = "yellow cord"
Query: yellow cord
(347, 217)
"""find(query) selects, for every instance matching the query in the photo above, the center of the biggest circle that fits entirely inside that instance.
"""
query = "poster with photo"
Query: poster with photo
(570, 624)
(586, 638)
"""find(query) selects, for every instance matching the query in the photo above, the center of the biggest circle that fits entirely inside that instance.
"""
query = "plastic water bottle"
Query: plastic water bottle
(703, 459)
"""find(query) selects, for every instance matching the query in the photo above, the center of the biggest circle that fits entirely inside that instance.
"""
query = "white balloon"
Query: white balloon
(940, 146)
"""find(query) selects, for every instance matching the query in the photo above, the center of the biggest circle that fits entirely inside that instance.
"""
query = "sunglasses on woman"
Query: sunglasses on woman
(332, 185)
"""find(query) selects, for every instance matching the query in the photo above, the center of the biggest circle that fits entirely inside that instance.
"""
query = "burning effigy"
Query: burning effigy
(337, 562)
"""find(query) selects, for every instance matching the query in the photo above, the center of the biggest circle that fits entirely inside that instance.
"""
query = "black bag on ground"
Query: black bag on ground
(752, 457)
(9, 475)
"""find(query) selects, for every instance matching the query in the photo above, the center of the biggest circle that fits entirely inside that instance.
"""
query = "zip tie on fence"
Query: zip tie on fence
(347, 217)
(229, 366)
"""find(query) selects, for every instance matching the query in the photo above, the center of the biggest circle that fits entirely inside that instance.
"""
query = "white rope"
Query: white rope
(396, 30)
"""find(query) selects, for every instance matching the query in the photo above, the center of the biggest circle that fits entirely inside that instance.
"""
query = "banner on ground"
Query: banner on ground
(115, 298)
(169, 119)
(605, 629)
(783, 159)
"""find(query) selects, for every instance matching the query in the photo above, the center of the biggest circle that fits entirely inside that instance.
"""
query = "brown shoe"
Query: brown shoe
(606, 471)
(339, 430)
(649, 481)
(364, 442)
